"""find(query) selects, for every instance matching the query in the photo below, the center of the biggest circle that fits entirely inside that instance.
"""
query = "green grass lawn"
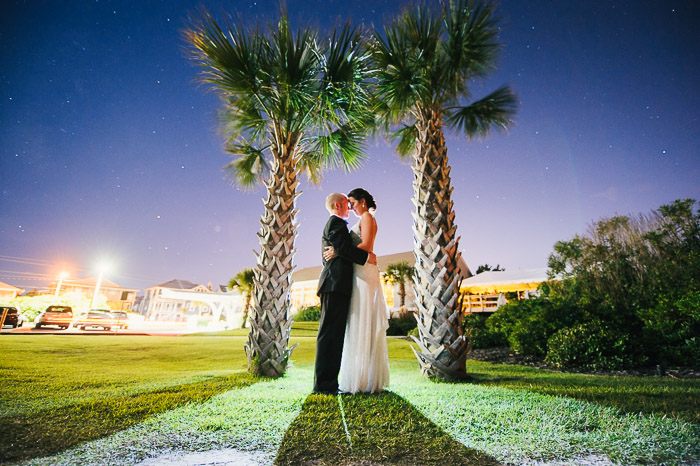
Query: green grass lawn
(104, 399)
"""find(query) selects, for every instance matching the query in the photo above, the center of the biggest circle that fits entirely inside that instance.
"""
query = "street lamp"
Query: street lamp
(60, 282)
(102, 268)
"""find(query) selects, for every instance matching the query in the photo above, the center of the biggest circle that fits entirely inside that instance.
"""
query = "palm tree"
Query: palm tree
(400, 273)
(425, 61)
(488, 268)
(293, 103)
(245, 282)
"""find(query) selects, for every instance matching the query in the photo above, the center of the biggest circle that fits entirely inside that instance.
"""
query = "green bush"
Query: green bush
(627, 292)
(672, 330)
(413, 332)
(635, 273)
(308, 314)
(480, 335)
(590, 346)
(528, 324)
(400, 326)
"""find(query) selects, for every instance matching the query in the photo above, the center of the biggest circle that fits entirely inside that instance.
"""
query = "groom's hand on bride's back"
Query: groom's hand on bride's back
(329, 253)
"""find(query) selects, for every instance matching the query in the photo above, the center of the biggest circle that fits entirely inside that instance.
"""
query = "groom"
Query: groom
(334, 289)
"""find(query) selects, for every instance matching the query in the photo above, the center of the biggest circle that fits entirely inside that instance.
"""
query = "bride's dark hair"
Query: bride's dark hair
(362, 195)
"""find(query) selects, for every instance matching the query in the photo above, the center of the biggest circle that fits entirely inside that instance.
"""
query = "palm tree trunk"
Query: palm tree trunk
(248, 298)
(443, 346)
(268, 340)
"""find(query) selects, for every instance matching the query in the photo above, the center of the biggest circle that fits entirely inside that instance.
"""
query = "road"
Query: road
(160, 331)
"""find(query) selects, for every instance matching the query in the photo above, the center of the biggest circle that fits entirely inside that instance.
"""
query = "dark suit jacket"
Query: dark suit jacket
(337, 273)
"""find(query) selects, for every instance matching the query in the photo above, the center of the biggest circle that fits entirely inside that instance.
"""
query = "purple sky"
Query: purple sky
(109, 149)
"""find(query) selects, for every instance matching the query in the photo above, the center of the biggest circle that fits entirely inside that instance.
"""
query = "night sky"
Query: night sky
(109, 148)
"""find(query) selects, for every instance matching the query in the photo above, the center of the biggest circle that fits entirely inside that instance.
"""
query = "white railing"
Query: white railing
(479, 303)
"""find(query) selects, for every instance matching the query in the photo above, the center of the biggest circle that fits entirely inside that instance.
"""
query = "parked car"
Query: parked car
(13, 318)
(121, 319)
(60, 316)
(95, 318)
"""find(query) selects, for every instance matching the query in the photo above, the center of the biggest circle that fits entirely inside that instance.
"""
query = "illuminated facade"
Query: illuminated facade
(303, 291)
(157, 305)
(9, 292)
(118, 298)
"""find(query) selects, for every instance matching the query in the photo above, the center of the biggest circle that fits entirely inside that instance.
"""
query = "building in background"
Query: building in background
(118, 298)
(303, 290)
(487, 291)
(155, 306)
(187, 302)
(9, 292)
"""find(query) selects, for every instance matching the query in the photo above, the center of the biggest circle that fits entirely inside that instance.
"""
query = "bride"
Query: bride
(364, 365)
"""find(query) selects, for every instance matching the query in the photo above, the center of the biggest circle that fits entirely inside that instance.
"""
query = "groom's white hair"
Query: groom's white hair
(332, 199)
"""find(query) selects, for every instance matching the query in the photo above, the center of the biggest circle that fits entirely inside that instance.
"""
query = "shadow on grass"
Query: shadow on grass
(384, 428)
(657, 395)
(51, 431)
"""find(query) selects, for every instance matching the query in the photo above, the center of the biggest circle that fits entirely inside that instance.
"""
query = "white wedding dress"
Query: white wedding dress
(364, 365)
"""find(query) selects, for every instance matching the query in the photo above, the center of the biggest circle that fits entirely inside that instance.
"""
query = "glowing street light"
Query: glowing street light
(103, 268)
(60, 282)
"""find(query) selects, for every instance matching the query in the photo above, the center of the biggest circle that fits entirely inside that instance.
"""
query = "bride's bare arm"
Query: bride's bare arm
(368, 229)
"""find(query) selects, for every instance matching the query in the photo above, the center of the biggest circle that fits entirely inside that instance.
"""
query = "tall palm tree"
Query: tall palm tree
(293, 103)
(399, 274)
(426, 60)
(245, 282)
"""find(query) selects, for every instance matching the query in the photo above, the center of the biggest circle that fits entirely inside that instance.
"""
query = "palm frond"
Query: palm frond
(344, 96)
(478, 118)
(311, 166)
(400, 80)
(243, 117)
(249, 167)
(294, 66)
(243, 280)
(406, 137)
(470, 43)
(285, 87)
(228, 59)
(342, 148)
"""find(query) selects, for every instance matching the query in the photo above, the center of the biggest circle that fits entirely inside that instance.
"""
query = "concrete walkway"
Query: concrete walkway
(226, 457)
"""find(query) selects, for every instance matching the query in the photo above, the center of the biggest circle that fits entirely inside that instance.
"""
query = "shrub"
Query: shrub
(400, 326)
(308, 314)
(672, 330)
(528, 324)
(32, 306)
(590, 346)
(413, 332)
(479, 335)
(625, 265)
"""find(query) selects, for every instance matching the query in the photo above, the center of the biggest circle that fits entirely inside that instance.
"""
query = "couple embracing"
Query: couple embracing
(354, 317)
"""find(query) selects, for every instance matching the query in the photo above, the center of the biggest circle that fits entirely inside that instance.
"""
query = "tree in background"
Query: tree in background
(425, 60)
(245, 282)
(487, 268)
(399, 274)
(627, 294)
(293, 103)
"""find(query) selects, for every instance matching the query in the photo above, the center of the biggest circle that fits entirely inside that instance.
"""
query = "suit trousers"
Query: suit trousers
(329, 343)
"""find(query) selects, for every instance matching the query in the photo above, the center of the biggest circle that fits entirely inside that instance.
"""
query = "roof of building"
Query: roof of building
(8, 287)
(312, 273)
(90, 281)
(504, 281)
(177, 284)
